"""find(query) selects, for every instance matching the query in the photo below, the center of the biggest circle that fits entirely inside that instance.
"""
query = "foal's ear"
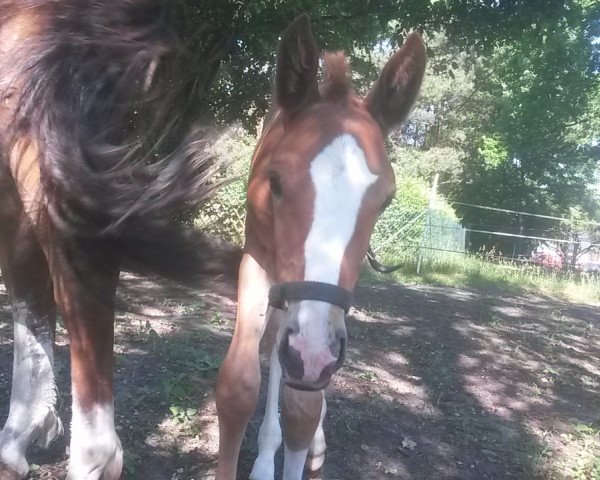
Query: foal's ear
(393, 95)
(297, 63)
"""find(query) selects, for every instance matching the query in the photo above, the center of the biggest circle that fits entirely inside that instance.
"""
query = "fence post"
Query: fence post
(430, 207)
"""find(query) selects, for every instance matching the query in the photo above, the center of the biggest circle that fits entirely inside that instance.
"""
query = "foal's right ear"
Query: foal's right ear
(296, 83)
(394, 94)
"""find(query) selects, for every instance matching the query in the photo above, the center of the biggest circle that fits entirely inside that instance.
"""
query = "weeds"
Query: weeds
(130, 462)
(585, 439)
(366, 375)
(181, 414)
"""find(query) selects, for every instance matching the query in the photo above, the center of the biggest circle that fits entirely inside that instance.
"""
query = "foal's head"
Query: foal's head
(330, 178)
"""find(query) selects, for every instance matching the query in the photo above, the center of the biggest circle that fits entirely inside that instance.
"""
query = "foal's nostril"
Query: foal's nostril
(289, 357)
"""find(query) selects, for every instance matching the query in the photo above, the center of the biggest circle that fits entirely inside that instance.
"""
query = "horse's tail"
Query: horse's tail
(106, 94)
(179, 253)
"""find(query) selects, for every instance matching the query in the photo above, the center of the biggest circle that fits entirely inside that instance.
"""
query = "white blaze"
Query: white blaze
(341, 177)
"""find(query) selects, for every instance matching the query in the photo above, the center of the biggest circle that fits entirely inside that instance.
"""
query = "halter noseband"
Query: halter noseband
(307, 290)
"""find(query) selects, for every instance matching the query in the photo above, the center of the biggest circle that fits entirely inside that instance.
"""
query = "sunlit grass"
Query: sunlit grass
(581, 456)
(453, 269)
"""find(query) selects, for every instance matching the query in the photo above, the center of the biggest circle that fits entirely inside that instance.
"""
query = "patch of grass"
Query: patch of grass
(188, 357)
(217, 319)
(178, 388)
(195, 308)
(181, 414)
(181, 393)
(584, 462)
(366, 375)
(130, 462)
(453, 269)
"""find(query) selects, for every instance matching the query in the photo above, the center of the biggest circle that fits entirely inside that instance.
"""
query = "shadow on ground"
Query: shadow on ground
(440, 383)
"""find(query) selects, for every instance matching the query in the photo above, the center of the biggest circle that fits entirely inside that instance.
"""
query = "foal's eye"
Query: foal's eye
(275, 184)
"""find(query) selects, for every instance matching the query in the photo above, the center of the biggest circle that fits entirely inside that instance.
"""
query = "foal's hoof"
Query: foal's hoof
(7, 473)
(314, 474)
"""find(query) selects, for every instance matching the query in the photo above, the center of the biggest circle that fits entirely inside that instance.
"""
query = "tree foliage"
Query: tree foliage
(510, 109)
(513, 126)
(246, 33)
(538, 149)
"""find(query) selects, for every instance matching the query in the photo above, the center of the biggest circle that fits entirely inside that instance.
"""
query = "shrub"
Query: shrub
(224, 214)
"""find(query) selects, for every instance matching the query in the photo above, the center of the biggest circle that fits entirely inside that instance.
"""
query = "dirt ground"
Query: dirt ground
(440, 383)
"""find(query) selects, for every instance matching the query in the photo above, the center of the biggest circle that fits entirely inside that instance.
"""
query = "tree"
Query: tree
(539, 150)
(241, 36)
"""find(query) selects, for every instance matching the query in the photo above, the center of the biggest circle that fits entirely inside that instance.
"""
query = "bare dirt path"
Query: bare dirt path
(440, 383)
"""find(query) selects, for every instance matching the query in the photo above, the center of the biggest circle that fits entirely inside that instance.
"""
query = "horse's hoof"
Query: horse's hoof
(314, 474)
(7, 473)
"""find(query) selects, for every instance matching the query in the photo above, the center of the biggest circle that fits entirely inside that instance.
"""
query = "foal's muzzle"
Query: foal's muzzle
(298, 368)
(308, 363)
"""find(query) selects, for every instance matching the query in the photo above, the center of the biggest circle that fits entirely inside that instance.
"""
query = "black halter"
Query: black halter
(306, 290)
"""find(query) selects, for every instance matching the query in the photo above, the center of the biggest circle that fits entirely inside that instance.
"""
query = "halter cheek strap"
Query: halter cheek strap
(305, 290)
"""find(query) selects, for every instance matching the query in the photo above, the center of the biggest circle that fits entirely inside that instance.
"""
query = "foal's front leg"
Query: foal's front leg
(301, 414)
(32, 417)
(269, 434)
(238, 384)
(85, 278)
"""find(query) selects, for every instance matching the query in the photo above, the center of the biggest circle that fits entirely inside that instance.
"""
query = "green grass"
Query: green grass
(452, 269)
(583, 462)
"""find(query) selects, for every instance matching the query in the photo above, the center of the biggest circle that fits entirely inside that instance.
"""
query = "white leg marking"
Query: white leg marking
(269, 435)
(32, 416)
(316, 451)
(293, 464)
(96, 451)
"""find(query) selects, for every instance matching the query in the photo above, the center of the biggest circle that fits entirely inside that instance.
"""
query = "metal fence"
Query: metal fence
(433, 233)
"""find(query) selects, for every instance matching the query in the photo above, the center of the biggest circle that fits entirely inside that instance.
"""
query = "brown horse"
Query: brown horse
(93, 166)
(320, 176)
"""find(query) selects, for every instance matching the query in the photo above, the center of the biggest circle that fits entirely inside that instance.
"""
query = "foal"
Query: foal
(320, 176)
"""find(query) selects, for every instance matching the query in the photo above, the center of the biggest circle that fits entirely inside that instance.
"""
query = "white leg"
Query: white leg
(96, 451)
(316, 451)
(293, 463)
(269, 435)
(32, 417)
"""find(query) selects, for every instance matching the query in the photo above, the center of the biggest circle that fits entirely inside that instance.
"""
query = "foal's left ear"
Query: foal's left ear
(394, 94)
(296, 83)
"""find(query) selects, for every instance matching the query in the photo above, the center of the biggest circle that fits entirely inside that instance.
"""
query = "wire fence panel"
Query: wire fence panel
(443, 234)
(408, 233)
(435, 235)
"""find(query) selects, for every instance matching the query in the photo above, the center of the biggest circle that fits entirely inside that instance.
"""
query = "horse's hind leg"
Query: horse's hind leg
(85, 275)
(32, 417)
